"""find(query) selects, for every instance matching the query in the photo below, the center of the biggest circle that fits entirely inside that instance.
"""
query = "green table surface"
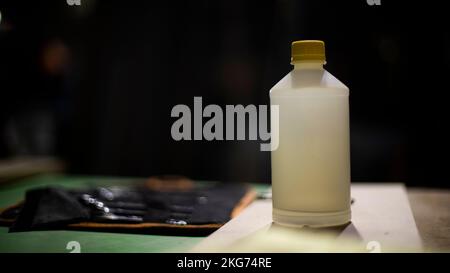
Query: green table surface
(56, 241)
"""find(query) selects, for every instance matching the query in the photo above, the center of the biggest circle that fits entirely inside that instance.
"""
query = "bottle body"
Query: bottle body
(311, 166)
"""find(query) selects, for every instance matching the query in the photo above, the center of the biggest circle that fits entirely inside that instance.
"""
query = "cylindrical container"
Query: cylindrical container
(311, 166)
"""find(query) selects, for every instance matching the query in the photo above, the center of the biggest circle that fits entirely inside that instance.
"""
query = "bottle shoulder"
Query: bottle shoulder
(310, 80)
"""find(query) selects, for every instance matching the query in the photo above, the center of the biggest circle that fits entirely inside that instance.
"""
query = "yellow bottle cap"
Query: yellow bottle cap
(308, 51)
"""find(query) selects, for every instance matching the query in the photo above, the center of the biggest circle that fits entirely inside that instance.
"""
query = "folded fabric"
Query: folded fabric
(147, 208)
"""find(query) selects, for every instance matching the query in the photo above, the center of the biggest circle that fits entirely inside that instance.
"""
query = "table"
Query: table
(430, 208)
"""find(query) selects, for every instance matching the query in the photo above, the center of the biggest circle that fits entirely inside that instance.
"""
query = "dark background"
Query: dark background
(95, 84)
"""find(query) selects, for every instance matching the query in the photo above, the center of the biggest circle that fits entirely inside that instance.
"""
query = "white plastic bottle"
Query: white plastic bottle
(311, 167)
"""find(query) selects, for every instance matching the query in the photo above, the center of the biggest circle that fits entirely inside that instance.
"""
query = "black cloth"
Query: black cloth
(57, 208)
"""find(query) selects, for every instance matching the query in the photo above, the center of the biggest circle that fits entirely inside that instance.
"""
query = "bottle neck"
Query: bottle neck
(308, 65)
